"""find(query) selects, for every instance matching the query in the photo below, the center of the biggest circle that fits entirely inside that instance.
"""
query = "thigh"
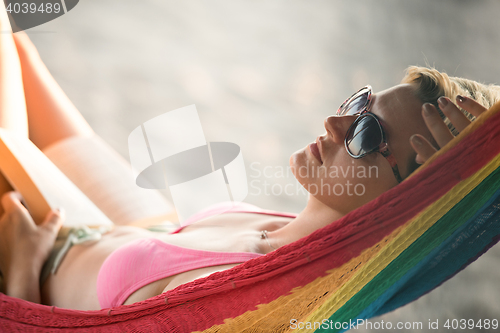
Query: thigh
(107, 180)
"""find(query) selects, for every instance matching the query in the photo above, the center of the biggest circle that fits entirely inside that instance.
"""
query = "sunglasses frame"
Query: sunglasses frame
(366, 89)
(383, 146)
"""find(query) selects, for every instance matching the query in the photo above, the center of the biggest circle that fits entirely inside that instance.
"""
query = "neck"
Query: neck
(314, 216)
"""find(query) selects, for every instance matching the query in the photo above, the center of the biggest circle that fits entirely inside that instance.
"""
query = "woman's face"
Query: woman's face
(344, 183)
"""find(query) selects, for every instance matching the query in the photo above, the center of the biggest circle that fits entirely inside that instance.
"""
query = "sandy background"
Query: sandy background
(264, 75)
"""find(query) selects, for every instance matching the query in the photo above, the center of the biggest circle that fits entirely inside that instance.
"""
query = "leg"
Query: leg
(12, 102)
(61, 132)
(51, 115)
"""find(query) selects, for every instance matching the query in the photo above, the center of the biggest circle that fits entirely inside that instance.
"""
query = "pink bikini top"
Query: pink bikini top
(142, 261)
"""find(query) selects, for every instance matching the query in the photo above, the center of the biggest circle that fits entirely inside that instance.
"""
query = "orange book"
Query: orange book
(42, 185)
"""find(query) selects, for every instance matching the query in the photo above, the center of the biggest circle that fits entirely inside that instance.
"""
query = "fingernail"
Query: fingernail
(427, 109)
(416, 140)
(418, 160)
(442, 101)
(461, 98)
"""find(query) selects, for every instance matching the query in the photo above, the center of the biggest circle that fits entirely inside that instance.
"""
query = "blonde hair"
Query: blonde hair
(431, 84)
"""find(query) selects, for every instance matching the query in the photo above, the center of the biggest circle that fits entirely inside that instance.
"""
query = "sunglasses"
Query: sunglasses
(366, 134)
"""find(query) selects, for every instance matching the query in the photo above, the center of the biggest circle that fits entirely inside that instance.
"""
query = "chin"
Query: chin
(297, 159)
(296, 156)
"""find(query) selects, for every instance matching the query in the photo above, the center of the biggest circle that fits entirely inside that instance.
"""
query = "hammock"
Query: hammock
(377, 258)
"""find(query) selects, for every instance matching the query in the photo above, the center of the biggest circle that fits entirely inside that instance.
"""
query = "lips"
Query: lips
(313, 147)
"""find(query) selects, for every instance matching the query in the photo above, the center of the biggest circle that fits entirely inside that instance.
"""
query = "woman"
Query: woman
(392, 131)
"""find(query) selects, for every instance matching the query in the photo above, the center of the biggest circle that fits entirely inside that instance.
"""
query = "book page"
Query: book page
(42, 185)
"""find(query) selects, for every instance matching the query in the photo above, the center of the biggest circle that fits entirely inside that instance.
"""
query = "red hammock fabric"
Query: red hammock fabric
(210, 301)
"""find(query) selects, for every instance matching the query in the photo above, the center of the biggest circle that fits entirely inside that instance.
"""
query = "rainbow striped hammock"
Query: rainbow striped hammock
(377, 258)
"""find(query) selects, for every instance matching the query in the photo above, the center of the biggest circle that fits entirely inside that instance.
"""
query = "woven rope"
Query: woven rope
(311, 278)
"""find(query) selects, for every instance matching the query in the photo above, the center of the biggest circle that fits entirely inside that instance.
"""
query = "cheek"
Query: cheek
(344, 183)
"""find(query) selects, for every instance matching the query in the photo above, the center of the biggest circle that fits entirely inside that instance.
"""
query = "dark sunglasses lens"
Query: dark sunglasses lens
(364, 136)
(355, 105)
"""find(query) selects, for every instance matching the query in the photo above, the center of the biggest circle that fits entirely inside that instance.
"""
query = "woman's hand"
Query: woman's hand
(25, 246)
(437, 126)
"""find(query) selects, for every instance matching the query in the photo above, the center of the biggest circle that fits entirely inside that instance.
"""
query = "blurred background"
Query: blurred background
(264, 74)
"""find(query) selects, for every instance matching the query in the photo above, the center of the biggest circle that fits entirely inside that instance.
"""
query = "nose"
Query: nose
(337, 127)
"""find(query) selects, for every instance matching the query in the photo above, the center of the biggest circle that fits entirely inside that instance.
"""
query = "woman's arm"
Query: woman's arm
(24, 247)
(438, 128)
(23, 283)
